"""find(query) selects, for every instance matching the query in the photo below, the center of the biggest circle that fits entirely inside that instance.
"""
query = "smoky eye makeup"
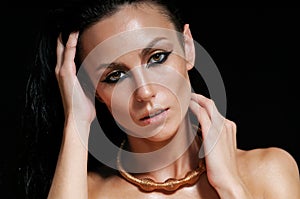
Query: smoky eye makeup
(156, 53)
(115, 76)
(159, 57)
(114, 72)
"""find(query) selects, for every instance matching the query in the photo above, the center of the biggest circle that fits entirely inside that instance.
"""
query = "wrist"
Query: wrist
(75, 129)
(71, 120)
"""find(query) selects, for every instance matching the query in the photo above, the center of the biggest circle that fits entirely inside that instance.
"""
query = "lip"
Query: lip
(155, 116)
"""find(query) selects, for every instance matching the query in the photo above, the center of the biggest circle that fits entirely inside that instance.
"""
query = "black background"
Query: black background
(255, 49)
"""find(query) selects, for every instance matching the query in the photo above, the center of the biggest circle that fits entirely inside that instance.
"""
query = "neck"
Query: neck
(180, 156)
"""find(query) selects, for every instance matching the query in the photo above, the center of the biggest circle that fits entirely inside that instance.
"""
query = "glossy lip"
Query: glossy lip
(155, 116)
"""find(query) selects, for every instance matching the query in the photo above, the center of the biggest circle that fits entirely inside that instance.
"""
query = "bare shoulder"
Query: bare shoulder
(270, 159)
(106, 183)
(98, 184)
(272, 170)
(95, 181)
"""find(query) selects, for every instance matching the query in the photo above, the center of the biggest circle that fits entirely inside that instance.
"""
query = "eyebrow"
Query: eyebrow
(144, 52)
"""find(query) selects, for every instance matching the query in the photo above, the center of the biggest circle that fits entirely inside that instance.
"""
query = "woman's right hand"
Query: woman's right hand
(70, 177)
(78, 107)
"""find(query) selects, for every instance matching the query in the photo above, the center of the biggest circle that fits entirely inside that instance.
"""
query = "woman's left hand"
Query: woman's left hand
(219, 141)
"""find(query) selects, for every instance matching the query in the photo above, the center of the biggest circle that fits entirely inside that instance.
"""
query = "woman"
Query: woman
(139, 70)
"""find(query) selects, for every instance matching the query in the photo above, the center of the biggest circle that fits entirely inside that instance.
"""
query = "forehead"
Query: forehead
(128, 18)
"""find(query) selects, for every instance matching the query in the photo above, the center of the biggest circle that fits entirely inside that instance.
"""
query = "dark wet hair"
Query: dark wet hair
(43, 116)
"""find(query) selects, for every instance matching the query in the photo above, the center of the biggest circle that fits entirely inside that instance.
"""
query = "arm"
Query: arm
(70, 177)
(276, 173)
(220, 150)
(281, 175)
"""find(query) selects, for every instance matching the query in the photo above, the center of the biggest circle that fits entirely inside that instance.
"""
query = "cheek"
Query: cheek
(104, 96)
(182, 68)
(179, 86)
(117, 98)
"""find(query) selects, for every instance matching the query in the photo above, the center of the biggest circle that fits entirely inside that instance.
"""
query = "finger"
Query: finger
(70, 49)
(205, 102)
(59, 54)
(208, 104)
(205, 122)
(231, 129)
(201, 115)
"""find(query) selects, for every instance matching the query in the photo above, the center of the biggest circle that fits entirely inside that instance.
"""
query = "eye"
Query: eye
(158, 58)
(115, 76)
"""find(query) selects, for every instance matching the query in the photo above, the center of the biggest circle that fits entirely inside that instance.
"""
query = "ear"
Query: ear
(189, 47)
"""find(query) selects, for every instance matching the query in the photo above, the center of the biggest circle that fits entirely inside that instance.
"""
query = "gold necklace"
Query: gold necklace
(170, 184)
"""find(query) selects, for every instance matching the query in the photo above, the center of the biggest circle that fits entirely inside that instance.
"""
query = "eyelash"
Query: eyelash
(119, 72)
(165, 54)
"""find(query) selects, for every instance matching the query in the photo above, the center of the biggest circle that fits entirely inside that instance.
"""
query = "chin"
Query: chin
(164, 135)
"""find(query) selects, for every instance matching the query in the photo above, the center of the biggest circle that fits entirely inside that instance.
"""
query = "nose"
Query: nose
(144, 90)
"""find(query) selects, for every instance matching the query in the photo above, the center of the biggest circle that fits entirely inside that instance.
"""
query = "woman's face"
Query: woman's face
(141, 70)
